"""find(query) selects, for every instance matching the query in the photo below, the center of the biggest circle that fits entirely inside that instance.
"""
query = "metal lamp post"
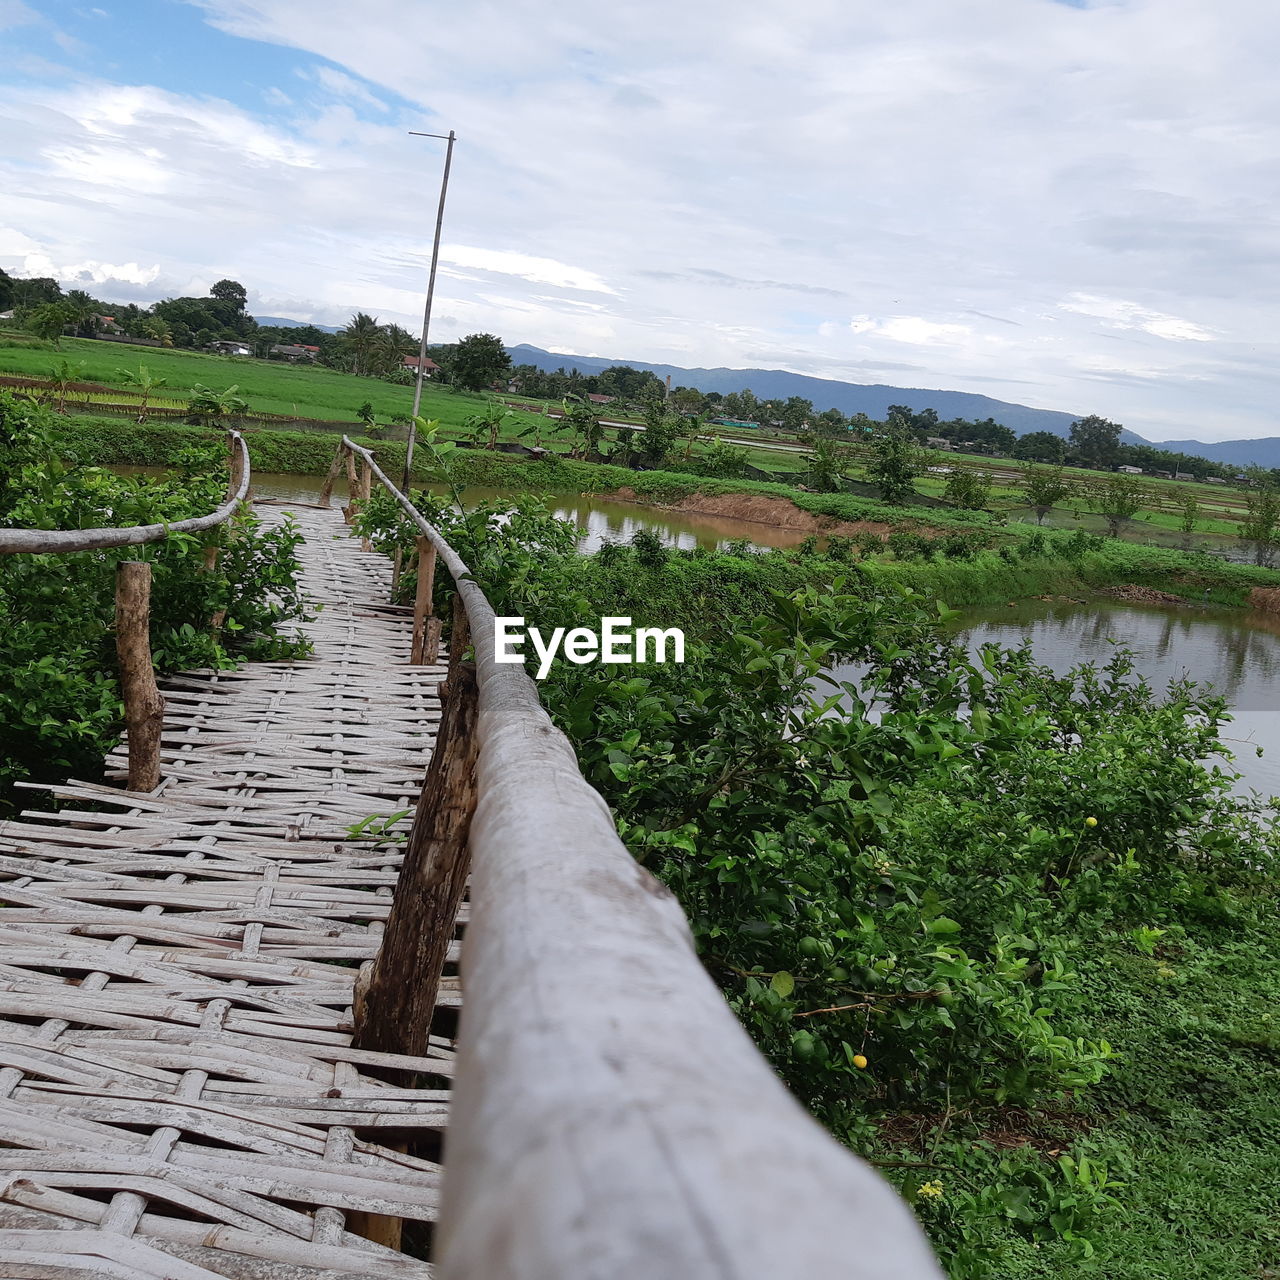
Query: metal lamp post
(431, 288)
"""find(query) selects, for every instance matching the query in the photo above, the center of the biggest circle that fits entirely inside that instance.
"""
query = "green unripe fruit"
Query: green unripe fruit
(802, 1045)
(810, 947)
(839, 973)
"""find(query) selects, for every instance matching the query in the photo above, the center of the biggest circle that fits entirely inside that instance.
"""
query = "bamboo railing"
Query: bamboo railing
(143, 704)
(610, 1117)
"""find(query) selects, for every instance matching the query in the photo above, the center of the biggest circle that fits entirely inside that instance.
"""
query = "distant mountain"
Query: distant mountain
(1264, 452)
(283, 322)
(848, 397)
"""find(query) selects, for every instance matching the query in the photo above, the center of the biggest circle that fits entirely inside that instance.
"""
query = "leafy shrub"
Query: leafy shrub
(60, 706)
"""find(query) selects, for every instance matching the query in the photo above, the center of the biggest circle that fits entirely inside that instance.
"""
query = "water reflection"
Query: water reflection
(598, 519)
(1233, 652)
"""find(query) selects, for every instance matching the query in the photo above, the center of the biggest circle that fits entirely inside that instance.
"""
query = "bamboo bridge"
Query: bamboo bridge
(232, 1034)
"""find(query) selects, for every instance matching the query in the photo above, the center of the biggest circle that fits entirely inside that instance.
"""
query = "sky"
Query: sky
(1067, 205)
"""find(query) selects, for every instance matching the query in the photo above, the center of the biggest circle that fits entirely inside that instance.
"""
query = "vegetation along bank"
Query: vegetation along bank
(962, 557)
(1007, 934)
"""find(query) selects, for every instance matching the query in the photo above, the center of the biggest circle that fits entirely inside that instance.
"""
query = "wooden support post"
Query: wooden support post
(353, 488)
(423, 606)
(459, 632)
(397, 563)
(143, 705)
(235, 467)
(394, 1007)
(366, 488)
(326, 489)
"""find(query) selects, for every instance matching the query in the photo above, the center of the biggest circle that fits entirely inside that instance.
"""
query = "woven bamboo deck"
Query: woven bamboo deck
(179, 1097)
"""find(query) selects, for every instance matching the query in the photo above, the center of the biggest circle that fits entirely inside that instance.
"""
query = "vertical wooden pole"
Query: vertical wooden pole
(397, 564)
(143, 705)
(366, 488)
(326, 489)
(395, 999)
(235, 470)
(353, 488)
(423, 607)
(235, 467)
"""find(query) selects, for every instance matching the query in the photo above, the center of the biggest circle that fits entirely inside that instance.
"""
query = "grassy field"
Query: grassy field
(303, 391)
(312, 391)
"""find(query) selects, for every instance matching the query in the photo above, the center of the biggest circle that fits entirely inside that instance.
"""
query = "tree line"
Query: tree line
(367, 347)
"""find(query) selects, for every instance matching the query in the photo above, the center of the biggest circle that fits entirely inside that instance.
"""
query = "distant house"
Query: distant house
(1130, 471)
(228, 348)
(597, 399)
(294, 352)
(1183, 475)
(107, 324)
(937, 442)
(1214, 480)
(429, 366)
(6, 315)
(1163, 475)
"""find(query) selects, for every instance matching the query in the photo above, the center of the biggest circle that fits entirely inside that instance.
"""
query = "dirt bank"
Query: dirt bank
(1265, 598)
(761, 508)
(1131, 593)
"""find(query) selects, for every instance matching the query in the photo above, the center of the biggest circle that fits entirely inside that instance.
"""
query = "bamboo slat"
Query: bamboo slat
(179, 1094)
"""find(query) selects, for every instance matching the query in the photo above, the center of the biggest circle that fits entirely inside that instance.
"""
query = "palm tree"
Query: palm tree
(83, 312)
(145, 383)
(361, 338)
(394, 343)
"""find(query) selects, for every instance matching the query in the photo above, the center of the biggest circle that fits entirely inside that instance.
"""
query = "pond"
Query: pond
(599, 520)
(1234, 652)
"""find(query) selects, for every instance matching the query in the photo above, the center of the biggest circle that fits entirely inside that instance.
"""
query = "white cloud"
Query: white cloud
(538, 270)
(343, 86)
(1118, 314)
(1068, 200)
(90, 272)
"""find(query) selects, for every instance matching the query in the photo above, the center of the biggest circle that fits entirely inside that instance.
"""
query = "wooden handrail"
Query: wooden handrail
(39, 541)
(143, 703)
(610, 1116)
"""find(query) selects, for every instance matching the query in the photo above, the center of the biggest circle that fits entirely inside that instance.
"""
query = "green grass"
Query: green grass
(1191, 1116)
(304, 391)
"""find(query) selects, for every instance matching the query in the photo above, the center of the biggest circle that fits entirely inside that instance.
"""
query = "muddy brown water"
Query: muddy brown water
(599, 520)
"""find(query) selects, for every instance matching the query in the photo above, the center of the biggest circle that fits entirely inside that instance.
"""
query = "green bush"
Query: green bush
(59, 705)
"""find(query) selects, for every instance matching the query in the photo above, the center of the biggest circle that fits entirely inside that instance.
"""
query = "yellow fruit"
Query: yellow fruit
(860, 1061)
(1091, 822)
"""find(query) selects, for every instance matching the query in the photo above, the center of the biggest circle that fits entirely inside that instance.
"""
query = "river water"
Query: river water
(1234, 652)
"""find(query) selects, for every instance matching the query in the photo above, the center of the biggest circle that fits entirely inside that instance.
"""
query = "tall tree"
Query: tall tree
(232, 292)
(896, 460)
(478, 360)
(48, 321)
(1261, 524)
(1041, 446)
(1119, 500)
(1096, 440)
(1045, 487)
(360, 339)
